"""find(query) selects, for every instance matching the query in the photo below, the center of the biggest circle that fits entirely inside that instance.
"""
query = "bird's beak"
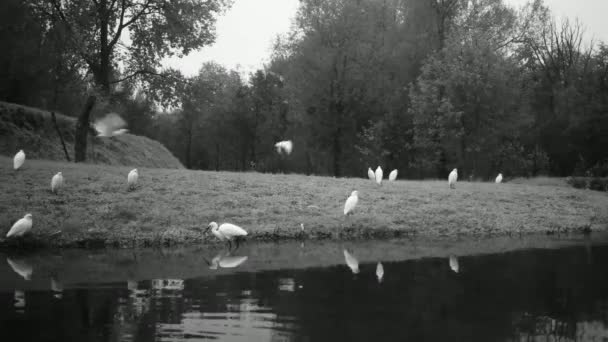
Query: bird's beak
(207, 229)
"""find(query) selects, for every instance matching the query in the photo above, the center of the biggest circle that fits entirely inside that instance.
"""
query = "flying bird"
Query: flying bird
(21, 267)
(370, 174)
(56, 182)
(379, 175)
(227, 232)
(19, 159)
(452, 178)
(110, 125)
(351, 202)
(393, 175)
(21, 227)
(499, 178)
(454, 263)
(132, 178)
(285, 146)
(351, 262)
(379, 272)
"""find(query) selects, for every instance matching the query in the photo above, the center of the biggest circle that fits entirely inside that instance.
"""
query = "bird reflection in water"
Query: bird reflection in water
(351, 262)
(454, 263)
(57, 288)
(19, 297)
(226, 261)
(380, 272)
(21, 267)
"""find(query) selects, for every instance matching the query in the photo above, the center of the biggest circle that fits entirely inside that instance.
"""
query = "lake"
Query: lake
(537, 288)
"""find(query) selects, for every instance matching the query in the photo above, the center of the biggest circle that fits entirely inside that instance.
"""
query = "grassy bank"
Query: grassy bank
(32, 130)
(174, 206)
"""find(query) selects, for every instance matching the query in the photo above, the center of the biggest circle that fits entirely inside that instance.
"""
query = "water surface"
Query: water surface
(501, 289)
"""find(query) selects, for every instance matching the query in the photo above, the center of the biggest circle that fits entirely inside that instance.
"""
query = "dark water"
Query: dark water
(543, 294)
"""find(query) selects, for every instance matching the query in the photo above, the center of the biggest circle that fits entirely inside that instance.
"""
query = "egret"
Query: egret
(228, 232)
(454, 263)
(19, 159)
(452, 178)
(351, 262)
(56, 182)
(379, 175)
(285, 146)
(351, 202)
(499, 178)
(370, 174)
(393, 175)
(132, 178)
(21, 267)
(379, 272)
(110, 125)
(21, 227)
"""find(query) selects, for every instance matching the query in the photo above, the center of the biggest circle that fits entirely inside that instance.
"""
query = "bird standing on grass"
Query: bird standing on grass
(370, 174)
(393, 175)
(56, 182)
(379, 175)
(19, 159)
(227, 232)
(351, 202)
(499, 178)
(132, 178)
(453, 178)
(21, 227)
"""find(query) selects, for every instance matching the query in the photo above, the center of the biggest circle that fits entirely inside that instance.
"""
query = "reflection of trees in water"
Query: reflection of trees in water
(547, 329)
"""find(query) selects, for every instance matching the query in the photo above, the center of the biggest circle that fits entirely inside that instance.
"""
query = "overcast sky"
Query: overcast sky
(246, 32)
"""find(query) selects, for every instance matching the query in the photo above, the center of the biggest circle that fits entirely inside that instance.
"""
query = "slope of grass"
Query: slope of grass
(33, 131)
(174, 206)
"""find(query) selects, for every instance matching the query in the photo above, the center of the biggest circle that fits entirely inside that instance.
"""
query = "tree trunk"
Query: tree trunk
(217, 157)
(188, 149)
(103, 77)
(337, 151)
(82, 129)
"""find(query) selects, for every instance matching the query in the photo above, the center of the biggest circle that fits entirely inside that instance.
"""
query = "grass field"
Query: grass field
(174, 206)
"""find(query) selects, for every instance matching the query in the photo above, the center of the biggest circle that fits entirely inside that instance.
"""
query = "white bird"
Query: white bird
(379, 175)
(453, 178)
(110, 125)
(351, 202)
(499, 178)
(379, 272)
(21, 227)
(228, 232)
(132, 178)
(393, 175)
(56, 182)
(351, 262)
(19, 159)
(454, 263)
(21, 267)
(371, 174)
(285, 146)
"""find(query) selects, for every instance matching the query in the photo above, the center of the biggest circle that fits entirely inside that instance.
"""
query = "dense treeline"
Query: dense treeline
(420, 85)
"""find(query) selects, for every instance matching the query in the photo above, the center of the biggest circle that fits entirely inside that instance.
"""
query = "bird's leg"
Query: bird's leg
(229, 245)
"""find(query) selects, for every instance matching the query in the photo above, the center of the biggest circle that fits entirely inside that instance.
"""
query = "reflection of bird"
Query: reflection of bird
(351, 202)
(21, 267)
(452, 178)
(226, 261)
(19, 297)
(132, 178)
(379, 175)
(57, 288)
(379, 272)
(499, 178)
(351, 262)
(393, 175)
(285, 146)
(19, 159)
(21, 227)
(370, 174)
(454, 263)
(56, 182)
(110, 125)
(228, 232)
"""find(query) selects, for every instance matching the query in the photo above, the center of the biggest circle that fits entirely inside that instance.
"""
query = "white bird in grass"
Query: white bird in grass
(370, 174)
(454, 263)
(379, 272)
(351, 202)
(393, 175)
(21, 227)
(285, 146)
(132, 178)
(110, 125)
(453, 178)
(351, 262)
(379, 175)
(19, 159)
(21, 267)
(227, 232)
(499, 178)
(56, 182)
